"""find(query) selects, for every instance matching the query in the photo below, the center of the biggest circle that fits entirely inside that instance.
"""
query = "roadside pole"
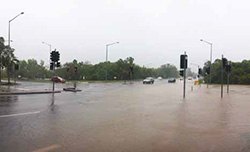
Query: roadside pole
(54, 57)
(53, 82)
(222, 76)
(227, 82)
(184, 76)
(228, 69)
(183, 65)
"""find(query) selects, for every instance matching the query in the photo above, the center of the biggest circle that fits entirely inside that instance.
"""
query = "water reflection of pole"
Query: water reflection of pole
(52, 99)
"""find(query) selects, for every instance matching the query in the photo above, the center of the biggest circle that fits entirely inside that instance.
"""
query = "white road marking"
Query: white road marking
(19, 114)
(47, 149)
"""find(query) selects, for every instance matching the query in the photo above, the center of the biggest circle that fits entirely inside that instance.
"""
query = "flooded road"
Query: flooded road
(127, 117)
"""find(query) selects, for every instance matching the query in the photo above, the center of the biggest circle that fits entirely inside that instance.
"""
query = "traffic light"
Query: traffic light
(58, 64)
(228, 68)
(182, 73)
(51, 67)
(54, 56)
(57, 56)
(183, 59)
(224, 62)
(200, 71)
(16, 66)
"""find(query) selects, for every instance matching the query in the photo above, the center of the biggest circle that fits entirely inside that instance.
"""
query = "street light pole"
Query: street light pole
(9, 40)
(107, 45)
(9, 27)
(48, 45)
(53, 83)
(211, 55)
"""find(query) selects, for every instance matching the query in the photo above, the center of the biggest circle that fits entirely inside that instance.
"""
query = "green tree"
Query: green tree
(167, 71)
(8, 60)
(2, 47)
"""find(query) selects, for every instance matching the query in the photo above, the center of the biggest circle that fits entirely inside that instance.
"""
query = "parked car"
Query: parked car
(148, 80)
(57, 79)
(171, 80)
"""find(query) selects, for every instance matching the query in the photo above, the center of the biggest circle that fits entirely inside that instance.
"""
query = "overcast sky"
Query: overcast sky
(154, 32)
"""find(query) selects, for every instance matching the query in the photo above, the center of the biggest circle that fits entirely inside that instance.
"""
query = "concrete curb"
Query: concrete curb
(28, 92)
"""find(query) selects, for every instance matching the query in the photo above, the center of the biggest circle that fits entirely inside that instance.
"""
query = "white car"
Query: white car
(148, 80)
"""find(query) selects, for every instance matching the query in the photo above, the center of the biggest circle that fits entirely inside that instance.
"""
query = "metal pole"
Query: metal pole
(184, 86)
(228, 82)
(106, 63)
(222, 77)
(106, 53)
(210, 74)
(210, 70)
(53, 87)
(9, 41)
(9, 35)
(107, 57)
(9, 27)
(184, 75)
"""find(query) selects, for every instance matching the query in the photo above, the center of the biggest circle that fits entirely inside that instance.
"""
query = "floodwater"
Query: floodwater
(127, 117)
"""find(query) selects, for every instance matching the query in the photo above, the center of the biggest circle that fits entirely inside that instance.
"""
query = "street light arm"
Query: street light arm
(16, 16)
(46, 44)
(112, 43)
(206, 42)
(194, 64)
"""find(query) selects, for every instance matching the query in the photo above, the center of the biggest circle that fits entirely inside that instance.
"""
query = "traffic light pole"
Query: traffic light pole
(222, 76)
(184, 86)
(228, 82)
(184, 76)
(53, 86)
(54, 57)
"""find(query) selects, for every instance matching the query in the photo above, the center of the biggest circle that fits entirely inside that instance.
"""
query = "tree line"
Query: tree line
(120, 70)
(240, 72)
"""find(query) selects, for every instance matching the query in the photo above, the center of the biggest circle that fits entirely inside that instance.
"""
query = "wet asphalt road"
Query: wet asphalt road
(126, 117)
